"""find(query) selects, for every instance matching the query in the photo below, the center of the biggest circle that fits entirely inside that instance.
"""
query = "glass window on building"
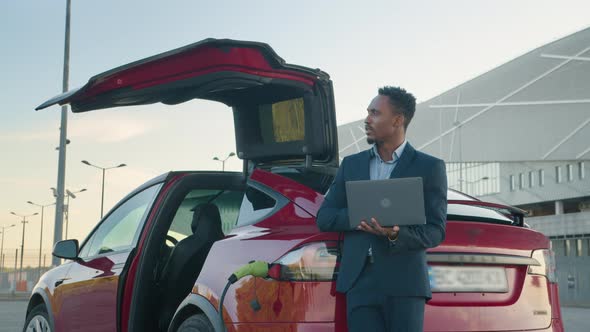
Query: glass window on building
(579, 251)
(474, 178)
(568, 247)
(512, 183)
(541, 178)
(558, 247)
(558, 174)
(570, 172)
(587, 246)
(521, 181)
(531, 179)
(581, 170)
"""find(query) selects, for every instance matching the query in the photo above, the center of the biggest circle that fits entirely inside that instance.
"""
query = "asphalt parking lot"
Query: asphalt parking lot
(12, 317)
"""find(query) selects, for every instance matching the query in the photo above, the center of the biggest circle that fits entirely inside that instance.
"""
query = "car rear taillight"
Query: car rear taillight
(316, 261)
(546, 259)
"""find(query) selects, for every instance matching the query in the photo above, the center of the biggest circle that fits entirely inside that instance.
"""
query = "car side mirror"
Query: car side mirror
(67, 249)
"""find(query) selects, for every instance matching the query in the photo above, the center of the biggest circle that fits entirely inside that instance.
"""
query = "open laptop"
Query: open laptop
(398, 201)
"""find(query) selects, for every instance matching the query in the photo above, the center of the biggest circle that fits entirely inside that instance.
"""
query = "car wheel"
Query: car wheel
(38, 320)
(196, 322)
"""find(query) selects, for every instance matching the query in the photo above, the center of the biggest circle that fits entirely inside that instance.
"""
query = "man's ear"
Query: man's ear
(399, 121)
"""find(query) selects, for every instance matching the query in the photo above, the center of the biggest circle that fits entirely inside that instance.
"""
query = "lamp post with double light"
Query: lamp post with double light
(231, 154)
(22, 245)
(42, 206)
(68, 195)
(103, 172)
(67, 205)
(4, 228)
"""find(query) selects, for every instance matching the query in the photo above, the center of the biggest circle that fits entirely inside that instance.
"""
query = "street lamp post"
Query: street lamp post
(22, 245)
(4, 228)
(231, 154)
(41, 236)
(103, 173)
(63, 133)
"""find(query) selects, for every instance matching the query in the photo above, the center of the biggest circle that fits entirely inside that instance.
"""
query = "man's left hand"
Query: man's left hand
(375, 228)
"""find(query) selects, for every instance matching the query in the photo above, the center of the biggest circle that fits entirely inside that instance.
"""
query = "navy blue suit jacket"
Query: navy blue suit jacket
(402, 264)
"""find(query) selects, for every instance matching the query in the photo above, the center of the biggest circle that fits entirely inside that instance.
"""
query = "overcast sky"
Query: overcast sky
(427, 47)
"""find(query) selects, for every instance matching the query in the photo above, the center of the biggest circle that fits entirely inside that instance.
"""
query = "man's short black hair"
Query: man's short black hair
(403, 102)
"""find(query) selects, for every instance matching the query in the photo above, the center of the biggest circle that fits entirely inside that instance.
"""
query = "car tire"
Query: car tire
(196, 322)
(38, 320)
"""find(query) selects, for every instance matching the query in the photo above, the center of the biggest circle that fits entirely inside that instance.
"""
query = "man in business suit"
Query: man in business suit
(383, 270)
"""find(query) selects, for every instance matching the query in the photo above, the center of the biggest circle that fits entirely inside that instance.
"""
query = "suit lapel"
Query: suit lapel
(365, 165)
(404, 161)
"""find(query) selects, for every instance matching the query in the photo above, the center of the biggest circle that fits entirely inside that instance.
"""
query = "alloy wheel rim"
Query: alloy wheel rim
(38, 324)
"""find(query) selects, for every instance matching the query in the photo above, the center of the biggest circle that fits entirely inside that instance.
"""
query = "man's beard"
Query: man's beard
(370, 141)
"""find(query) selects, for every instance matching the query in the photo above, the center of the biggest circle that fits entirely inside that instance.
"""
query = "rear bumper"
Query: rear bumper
(291, 327)
(556, 326)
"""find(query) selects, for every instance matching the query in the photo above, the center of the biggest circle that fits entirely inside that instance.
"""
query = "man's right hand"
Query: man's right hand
(375, 228)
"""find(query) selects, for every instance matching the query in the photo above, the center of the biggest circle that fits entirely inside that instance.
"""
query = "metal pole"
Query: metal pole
(41, 239)
(15, 262)
(2, 252)
(103, 169)
(460, 160)
(67, 213)
(102, 199)
(22, 249)
(63, 129)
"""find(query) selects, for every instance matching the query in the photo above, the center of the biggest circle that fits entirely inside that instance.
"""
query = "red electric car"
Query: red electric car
(160, 259)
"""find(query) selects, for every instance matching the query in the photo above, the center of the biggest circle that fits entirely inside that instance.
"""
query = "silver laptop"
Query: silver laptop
(397, 201)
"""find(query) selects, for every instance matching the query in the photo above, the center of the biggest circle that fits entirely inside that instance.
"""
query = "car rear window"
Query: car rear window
(258, 203)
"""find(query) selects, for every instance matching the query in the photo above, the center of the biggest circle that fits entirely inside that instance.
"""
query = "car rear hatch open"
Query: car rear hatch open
(491, 273)
(283, 113)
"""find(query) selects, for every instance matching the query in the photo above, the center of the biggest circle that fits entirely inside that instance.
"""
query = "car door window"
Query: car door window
(227, 201)
(120, 230)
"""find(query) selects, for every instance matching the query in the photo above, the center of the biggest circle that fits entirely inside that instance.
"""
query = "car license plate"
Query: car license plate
(467, 279)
